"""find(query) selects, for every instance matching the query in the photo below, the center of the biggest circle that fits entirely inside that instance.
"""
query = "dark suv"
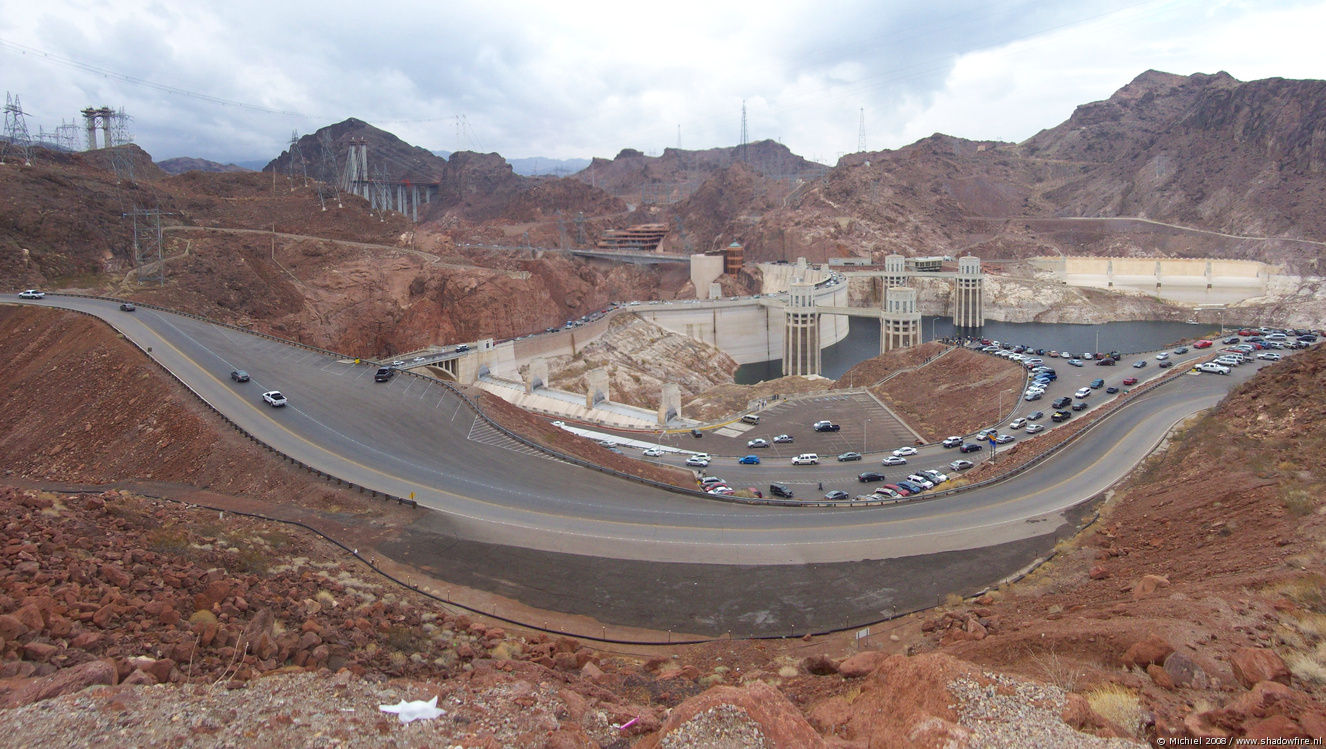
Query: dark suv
(383, 374)
(826, 426)
(780, 490)
(1062, 402)
(970, 447)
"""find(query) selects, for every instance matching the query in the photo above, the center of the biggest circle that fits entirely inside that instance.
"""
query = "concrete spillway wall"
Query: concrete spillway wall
(1183, 280)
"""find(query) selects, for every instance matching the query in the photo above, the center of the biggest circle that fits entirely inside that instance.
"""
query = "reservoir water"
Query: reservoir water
(862, 341)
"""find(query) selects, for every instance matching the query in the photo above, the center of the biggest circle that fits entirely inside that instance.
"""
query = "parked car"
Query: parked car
(780, 490)
(934, 476)
(653, 452)
(1268, 356)
(462, 348)
(1165, 364)
(696, 433)
(921, 481)
(1130, 380)
(757, 442)
(1034, 428)
(894, 460)
(870, 476)
(1032, 395)
(1080, 406)
(274, 398)
(1139, 364)
(806, 459)
(1082, 393)
(698, 461)
(1203, 344)
(1017, 423)
(1075, 362)
(1097, 384)
(1181, 350)
(239, 375)
(1162, 356)
(783, 439)
(835, 495)
(826, 426)
(383, 374)
(911, 487)
(951, 441)
(750, 460)
(843, 458)
(884, 492)
(1213, 368)
(1061, 402)
(970, 447)
(905, 451)
(897, 489)
(1035, 415)
(1004, 439)
(1106, 362)
(961, 465)
(31, 294)
(1059, 416)
(1111, 389)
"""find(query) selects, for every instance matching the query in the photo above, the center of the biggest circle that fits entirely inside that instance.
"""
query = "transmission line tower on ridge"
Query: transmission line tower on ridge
(296, 153)
(861, 135)
(741, 150)
(16, 130)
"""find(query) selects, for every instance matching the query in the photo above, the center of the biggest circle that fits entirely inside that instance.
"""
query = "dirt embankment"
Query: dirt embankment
(956, 393)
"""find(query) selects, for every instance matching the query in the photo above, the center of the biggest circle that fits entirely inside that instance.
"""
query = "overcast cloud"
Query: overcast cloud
(231, 81)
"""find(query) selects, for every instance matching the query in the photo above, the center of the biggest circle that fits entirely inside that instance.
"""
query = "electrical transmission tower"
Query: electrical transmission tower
(741, 150)
(330, 171)
(66, 135)
(149, 256)
(861, 134)
(296, 155)
(16, 130)
(117, 136)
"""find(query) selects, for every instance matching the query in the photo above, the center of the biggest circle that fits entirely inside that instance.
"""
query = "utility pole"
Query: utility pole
(861, 134)
(741, 150)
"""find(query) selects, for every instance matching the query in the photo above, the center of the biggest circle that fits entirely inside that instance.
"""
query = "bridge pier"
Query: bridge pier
(669, 407)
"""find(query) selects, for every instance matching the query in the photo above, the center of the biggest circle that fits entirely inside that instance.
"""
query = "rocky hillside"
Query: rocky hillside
(183, 164)
(640, 357)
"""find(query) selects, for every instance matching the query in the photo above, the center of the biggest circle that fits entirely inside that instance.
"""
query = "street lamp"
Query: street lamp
(865, 425)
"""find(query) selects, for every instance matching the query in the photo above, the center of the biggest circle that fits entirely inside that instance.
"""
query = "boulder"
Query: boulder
(1160, 676)
(31, 617)
(778, 721)
(1079, 714)
(1098, 572)
(11, 628)
(64, 681)
(1154, 649)
(1184, 672)
(1251, 665)
(861, 664)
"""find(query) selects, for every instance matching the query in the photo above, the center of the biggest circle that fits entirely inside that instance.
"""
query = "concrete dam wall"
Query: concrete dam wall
(1182, 280)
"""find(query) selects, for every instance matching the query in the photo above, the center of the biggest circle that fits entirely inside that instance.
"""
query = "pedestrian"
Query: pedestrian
(821, 486)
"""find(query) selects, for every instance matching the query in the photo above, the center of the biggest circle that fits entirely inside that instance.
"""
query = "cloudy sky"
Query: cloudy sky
(231, 81)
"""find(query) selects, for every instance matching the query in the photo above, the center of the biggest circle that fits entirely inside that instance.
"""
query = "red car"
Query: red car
(1202, 344)
(1130, 380)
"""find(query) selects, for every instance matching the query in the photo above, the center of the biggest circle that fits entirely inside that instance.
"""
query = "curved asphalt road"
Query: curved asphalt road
(411, 436)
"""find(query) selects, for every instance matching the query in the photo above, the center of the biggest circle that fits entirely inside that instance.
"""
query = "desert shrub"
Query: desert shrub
(1117, 704)
(1299, 502)
(167, 540)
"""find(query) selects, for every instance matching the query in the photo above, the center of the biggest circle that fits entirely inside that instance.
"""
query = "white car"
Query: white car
(806, 459)
(1213, 368)
(1082, 393)
(903, 452)
(758, 442)
(653, 452)
(274, 398)
(1075, 362)
(922, 481)
(1162, 356)
(31, 294)
(1017, 423)
(894, 460)
(1004, 439)
(935, 476)
(961, 465)
(1034, 428)
(1268, 356)
(698, 461)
